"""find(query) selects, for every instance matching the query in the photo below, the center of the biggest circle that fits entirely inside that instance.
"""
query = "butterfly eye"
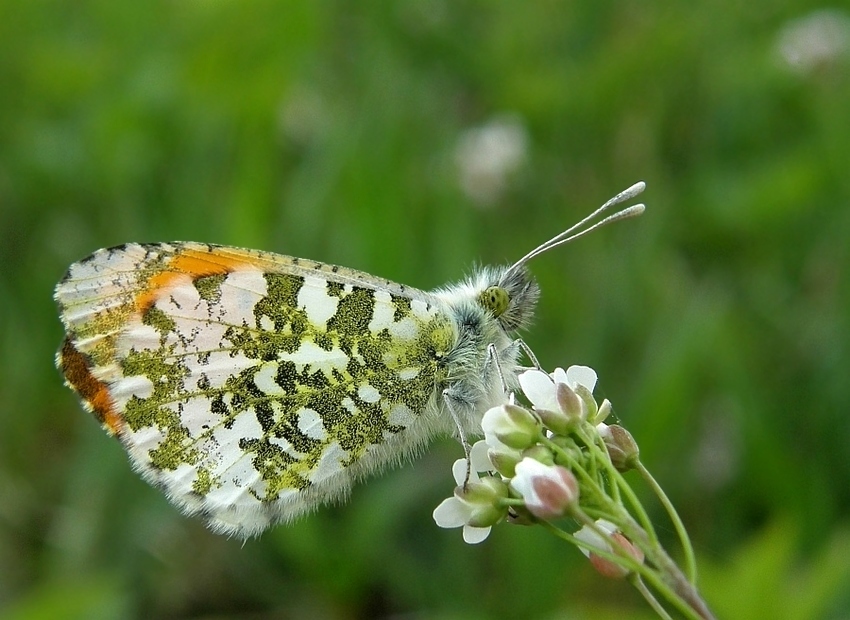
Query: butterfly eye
(495, 299)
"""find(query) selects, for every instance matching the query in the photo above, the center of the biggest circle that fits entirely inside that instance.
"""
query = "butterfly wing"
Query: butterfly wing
(250, 386)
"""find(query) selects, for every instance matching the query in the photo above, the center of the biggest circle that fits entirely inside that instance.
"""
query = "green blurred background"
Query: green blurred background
(412, 140)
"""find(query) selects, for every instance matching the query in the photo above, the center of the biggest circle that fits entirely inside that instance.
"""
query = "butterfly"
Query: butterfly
(252, 387)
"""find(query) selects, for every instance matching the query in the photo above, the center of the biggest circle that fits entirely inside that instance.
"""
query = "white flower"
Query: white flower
(489, 155)
(548, 490)
(475, 503)
(563, 398)
(814, 41)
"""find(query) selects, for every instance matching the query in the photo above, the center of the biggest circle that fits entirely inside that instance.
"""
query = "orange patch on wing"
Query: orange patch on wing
(75, 366)
(188, 262)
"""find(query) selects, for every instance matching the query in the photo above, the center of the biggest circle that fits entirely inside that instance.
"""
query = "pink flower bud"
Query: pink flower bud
(610, 569)
(612, 542)
(549, 491)
(622, 448)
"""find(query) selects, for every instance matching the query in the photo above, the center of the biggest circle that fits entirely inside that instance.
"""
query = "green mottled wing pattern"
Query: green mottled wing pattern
(251, 386)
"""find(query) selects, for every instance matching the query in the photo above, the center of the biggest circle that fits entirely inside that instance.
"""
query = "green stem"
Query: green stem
(648, 596)
(671, 573)
(666, 577)
(687, 548)
(596, 513)
(602, 454)
(511, 501)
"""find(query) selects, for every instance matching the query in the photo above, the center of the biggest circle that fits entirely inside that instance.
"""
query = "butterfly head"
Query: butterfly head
(510, 297)
(511, 293)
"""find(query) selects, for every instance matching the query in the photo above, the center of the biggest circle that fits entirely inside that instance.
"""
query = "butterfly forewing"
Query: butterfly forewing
(250, 385)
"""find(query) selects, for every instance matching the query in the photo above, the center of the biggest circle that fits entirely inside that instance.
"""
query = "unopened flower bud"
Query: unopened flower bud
(610, 569)
(512, 425)
(573, 455)
(622, 448)
(613, 542)
(539, 453)
(504, 460)
(549, 491)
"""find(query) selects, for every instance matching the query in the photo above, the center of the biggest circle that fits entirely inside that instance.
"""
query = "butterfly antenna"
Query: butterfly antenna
(575, 231)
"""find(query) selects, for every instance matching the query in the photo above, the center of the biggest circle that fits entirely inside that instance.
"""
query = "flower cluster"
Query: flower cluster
(514, 471)
(552, 456)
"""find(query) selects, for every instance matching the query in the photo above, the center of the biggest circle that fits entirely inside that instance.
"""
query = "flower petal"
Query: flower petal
(560, 376)
(459, 472)
(523, 482)
(581, 375)
(478, 457)
(523, 486)
(490, 420)
(539, 388)
(474, 535)
(451, 513)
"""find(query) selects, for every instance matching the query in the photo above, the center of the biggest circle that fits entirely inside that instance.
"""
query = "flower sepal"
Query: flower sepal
(591, 409)
(602, 413)
(483, 499)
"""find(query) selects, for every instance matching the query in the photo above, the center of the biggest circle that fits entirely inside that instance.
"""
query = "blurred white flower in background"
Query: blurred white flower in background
(487, 156)
(816, 40)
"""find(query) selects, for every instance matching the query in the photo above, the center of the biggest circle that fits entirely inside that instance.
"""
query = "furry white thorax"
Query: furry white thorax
(475, 382)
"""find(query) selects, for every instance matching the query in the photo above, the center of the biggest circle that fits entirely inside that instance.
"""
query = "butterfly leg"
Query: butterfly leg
(448, 399)
(528, 352)
(493, 357)
(517, 345)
